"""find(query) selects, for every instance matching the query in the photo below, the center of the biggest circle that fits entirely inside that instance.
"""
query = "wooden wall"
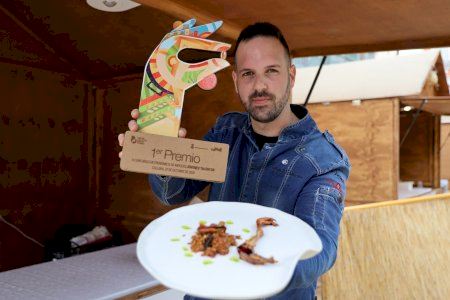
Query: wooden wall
(59, 156)
(43, 159)
(445, 151)
(419, 155)
(370, 136)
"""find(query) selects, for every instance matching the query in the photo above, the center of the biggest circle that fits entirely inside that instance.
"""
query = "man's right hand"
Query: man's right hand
(133, 126)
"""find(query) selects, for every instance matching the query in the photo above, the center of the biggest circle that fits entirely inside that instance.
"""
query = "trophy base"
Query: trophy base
(176, 157)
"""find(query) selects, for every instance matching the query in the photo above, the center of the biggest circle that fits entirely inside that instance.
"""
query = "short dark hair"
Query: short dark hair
(265, 29)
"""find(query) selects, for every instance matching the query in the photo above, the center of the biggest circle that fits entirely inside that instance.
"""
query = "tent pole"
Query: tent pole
(315, 80)
(416, 115)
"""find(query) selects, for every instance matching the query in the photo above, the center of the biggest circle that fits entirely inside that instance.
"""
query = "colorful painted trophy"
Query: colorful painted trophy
(156, 148)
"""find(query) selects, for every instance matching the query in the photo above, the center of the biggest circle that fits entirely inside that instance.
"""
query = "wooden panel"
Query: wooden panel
(127, 203)
(442, 78)
(420, 152)
(396, 148)
(20, 45)
(430, 87)
(436, 180)
(90, 134)
(421, 97)
(445, 151)
(145, 293)
(185, 12)
(103, 45)
(369, 134)
(43, 160)
(438, 107)
(406, 257)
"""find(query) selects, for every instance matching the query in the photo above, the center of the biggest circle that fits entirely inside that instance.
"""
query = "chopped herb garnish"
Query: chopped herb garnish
(175, 239)
(188, 254)
(234, 259)
(229, 222)
(246, 230)
(203, 222)
(207, 262)
(185, 227)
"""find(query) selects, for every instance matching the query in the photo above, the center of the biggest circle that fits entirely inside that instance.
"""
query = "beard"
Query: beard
(269, 112)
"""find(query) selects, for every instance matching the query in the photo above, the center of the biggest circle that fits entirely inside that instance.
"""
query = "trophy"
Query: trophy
(156, 148)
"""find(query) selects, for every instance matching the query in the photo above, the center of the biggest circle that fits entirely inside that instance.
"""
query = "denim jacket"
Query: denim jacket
(304, 173)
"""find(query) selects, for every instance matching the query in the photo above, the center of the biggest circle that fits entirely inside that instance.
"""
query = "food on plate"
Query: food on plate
(246, 249)
(212, 239)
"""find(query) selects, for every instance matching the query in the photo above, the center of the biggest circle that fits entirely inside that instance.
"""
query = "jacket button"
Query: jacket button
(284, 161)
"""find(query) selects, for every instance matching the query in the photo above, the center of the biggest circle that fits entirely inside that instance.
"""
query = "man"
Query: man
(278, 157)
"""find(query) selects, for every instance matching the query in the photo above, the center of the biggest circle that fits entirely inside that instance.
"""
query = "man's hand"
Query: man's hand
(133, 126)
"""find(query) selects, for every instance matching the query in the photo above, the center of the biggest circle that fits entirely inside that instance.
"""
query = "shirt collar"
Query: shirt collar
(300, 129)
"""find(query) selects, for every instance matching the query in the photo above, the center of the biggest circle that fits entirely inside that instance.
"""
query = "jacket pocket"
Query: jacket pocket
(328, 205)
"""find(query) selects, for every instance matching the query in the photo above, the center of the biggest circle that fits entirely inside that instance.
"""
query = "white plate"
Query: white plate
(166, 261)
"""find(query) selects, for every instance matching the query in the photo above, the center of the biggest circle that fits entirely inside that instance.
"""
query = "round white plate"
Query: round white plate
(163, 250)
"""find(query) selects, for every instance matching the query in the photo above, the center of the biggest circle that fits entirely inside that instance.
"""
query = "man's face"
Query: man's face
(263, 78)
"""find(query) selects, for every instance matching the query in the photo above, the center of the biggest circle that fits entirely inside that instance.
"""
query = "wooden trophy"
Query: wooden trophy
(156, 148)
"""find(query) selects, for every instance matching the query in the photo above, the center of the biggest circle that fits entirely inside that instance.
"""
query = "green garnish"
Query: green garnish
(186, 227)
(207, 262)
(188, 254)
(185, 248)
(246, 230)
(175, 239)
(229, 222)
(235, 259)
(203, 222)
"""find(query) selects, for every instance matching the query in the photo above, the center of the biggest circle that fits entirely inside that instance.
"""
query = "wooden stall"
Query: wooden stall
(70, 75)
(59, 156)
(60, 117)
(363, 105)
(445, 148)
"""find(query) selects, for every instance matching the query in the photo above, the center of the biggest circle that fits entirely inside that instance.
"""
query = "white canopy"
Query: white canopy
(366, 79)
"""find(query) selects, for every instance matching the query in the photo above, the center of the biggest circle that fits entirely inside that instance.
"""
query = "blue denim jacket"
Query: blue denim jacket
(304, 173)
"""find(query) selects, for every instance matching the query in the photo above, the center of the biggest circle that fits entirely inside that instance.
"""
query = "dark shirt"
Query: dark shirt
(262, 139)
